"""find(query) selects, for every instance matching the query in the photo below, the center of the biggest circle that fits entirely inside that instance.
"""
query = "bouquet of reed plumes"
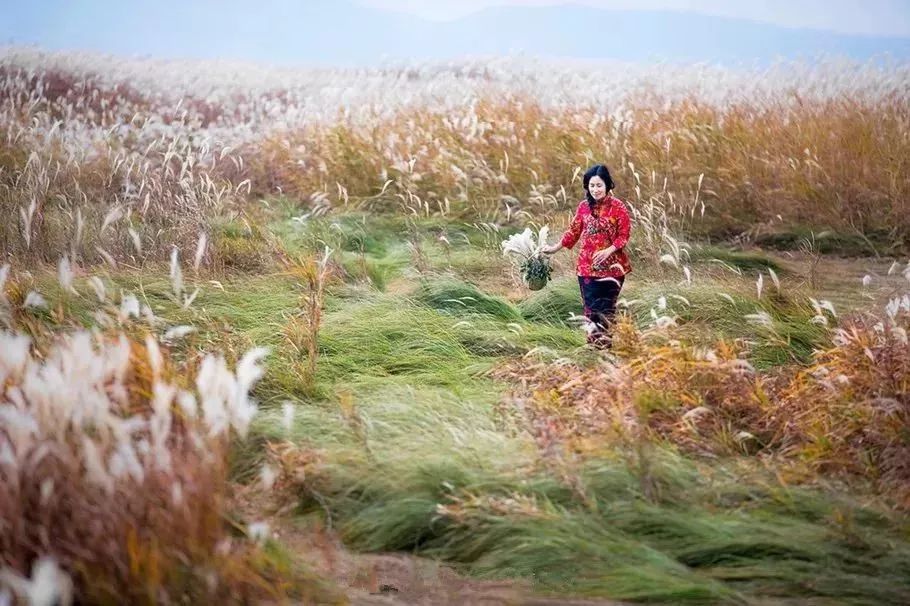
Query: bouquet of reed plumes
(524, 250)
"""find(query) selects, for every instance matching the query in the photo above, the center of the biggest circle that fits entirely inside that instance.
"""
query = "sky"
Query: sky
(868, 17)
(367, 32)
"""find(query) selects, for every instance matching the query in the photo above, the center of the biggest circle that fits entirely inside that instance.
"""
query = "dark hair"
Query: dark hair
(598, 170)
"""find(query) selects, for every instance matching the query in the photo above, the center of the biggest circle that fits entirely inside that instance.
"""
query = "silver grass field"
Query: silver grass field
(260, 337)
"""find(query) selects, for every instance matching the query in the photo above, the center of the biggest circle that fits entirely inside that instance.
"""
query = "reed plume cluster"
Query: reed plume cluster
(122, 160)
(114, 472)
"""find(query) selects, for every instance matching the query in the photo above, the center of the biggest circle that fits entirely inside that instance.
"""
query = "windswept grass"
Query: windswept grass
(389, 338)
(647, 531)
(554, 304)
(462, 299)
(747, 261)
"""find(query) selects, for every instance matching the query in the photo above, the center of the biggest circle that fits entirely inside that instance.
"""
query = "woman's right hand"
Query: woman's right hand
(552, 248)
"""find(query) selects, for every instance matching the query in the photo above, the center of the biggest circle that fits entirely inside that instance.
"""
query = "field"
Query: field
(261, 345)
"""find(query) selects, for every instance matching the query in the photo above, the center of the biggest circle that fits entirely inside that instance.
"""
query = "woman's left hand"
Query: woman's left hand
(600, 257)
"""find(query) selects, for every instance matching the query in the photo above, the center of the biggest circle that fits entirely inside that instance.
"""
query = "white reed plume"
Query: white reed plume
(149, 316)
(707, 354)
(774, 278)
(125, 464)
(668, 259)
(584, 322)
(287, 415)
(200, 251)
(115, 443)
(107, 257)
(819, 319)
(129, 307)
(225, 396)
(759, 284)
(744, 436)
(267, 476)
(525, 245)
(828, 306)
(178, 332)
(896, 305)
(741, 366)
(49, 585)
(14, 354)
(258, 531)
(95, 470)
(867, 280)
(65, 274)
(156, 360)
(98, 286)
(112, 216)
(77, 234)
(187, 403)
(4, 275)
(681, 299)
(137, 241)
(662, 322)
(188, 299)
(176, 274)
(27, 216)
(177, 494)
(822, 306)
(34, 300)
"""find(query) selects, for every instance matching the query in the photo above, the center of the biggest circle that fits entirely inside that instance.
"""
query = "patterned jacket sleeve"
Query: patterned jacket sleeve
(624, 225)
(574, 232)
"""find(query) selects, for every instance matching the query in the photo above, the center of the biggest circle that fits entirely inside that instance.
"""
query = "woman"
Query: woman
(602, 223)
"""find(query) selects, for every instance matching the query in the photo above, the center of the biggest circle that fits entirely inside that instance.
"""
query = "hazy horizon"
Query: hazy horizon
(364, 32)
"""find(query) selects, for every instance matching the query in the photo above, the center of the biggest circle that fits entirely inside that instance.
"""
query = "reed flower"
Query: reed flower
(65, 275)
(287, 415)
(525, 251)
(96, 419)
(35, 300)
(48, 585)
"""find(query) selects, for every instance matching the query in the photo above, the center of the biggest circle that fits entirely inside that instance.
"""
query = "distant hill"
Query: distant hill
(343, 33)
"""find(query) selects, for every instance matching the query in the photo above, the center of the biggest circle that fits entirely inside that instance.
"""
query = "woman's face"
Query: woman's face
(597, 188)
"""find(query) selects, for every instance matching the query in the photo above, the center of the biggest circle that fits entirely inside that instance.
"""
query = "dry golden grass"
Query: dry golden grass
(846, 414)
(135, 172)
(115, 474)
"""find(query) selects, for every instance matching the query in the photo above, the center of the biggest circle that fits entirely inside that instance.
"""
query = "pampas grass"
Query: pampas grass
(124, 485)
(683, 152)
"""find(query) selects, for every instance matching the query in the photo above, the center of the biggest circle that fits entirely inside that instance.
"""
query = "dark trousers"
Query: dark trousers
(599, 298)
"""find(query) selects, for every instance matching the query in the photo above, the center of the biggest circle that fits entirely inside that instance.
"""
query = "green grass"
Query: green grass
(831, 242)
(554, 304)
(751, 261)
(460, 298)
(686, 545)
(405, 418)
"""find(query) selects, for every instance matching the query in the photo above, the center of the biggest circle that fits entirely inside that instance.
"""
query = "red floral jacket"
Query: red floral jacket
(608, 225)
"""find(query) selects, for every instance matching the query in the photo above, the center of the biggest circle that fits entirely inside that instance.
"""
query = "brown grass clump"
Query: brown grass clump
(302, 329)
(850, 411)
(115, 474)
(708, 401)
